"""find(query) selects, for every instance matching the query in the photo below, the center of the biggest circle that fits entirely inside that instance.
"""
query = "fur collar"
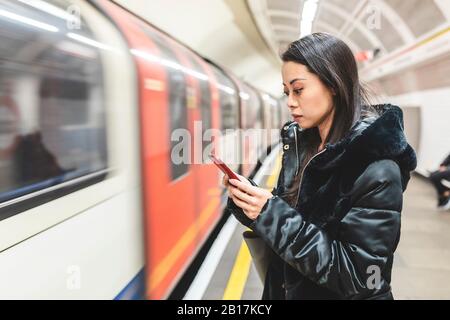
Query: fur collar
(374, 136)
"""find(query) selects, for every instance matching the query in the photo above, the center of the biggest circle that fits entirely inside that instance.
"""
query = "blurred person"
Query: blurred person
(33, 161)
(436, 177)
(333, 221)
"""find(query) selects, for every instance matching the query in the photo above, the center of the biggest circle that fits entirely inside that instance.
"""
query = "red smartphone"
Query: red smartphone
(222, 166)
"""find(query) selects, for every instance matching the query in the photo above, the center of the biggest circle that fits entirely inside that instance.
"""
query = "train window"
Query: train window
(280, 115)
(260, 111)
(275, 113)
(229, 101)
(253, 110)
(52, 106)
(177, 97)
(205, 97)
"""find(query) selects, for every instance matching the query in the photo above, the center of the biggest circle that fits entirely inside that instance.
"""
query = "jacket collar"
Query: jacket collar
(374, 136)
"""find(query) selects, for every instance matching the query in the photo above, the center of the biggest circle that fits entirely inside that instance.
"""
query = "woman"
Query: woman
(334, 218)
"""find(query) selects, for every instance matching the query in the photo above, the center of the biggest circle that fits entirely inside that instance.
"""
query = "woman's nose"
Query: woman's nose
(292, 103)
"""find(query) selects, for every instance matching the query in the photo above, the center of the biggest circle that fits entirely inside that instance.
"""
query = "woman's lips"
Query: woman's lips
(296, 117)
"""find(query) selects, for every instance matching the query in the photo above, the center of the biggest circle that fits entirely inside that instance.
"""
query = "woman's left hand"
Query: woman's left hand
(250, 198)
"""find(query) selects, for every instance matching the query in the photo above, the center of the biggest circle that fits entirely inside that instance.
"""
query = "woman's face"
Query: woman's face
(309, 100)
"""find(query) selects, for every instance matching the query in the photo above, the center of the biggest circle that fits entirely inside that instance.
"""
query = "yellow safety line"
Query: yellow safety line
(412, 47)
(273, 177)
(433, 37)
(238, 277)
(239, 274)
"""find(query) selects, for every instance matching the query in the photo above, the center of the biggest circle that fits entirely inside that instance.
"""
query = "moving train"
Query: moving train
(94, 103)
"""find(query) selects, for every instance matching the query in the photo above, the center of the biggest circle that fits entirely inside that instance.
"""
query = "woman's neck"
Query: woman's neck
(324, 128)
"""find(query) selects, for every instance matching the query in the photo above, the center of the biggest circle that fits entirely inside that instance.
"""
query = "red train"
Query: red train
(219, 100)
(138, 87)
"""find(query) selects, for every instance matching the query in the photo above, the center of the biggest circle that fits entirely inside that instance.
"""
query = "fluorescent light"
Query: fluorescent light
(244, 95)
(89, 41)
(305, 28)
(76, 49)
(168, 63)
(226, 89)
(46, 7)
(308, 16)
(309, 11)
(28, 21)
(176, 66)
(145, 55)
(196, 74)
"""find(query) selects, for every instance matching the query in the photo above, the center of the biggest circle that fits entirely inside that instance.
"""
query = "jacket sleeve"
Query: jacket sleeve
(446, 162)
(366, 238)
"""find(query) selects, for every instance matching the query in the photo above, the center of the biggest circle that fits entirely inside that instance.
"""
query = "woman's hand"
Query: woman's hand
(226, 183)
(246, 196)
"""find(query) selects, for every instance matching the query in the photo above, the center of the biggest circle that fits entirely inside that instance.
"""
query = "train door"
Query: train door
(168, 183)
(230, 143)
(205, 134)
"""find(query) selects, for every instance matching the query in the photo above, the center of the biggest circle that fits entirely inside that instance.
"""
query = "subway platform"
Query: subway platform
(421, 265)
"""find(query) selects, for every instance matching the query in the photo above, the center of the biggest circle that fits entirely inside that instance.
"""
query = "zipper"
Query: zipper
(301, 177)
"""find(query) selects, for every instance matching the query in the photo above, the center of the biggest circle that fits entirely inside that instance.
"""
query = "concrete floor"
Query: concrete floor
(422, 265)
(422, 261)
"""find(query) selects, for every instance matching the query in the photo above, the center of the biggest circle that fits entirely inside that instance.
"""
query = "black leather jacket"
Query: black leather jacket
(335, 223)
(446, 161)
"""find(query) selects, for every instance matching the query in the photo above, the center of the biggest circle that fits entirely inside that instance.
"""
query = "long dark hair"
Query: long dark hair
(334, 63)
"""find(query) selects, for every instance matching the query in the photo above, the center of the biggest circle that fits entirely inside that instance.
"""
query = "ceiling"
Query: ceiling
(221, 30)
(247, 36)
(385, 25)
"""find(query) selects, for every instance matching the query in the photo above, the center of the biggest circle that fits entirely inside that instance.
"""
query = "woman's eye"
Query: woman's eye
(296, 91)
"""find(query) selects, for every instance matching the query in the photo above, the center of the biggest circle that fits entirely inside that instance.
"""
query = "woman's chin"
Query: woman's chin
(302, 123)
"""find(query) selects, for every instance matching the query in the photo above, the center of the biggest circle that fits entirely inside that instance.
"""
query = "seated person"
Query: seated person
(443, 173)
